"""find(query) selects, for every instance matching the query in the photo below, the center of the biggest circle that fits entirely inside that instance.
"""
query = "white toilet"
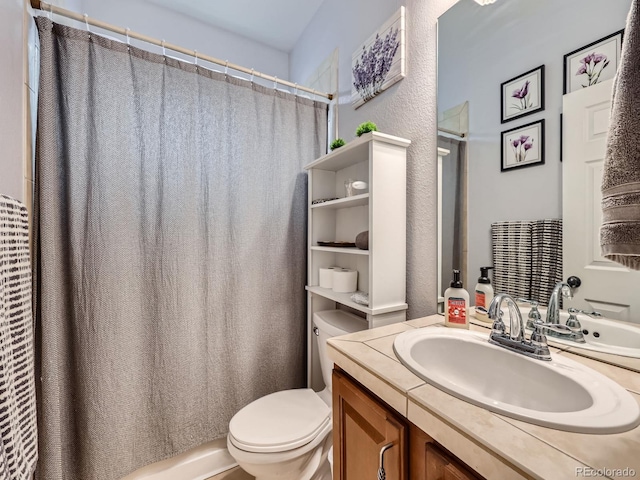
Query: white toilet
(287, 435)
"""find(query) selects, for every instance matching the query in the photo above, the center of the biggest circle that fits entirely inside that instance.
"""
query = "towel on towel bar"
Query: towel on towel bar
(18, 428)
(511, 246)
(620, 231)
(527, 258)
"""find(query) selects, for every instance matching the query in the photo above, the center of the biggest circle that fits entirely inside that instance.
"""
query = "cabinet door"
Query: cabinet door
(431, 462)
(362, 427)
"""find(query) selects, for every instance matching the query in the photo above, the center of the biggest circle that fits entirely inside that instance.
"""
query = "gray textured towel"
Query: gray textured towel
(511, 245)
(620, 232)
(18, 429)
(527, 258)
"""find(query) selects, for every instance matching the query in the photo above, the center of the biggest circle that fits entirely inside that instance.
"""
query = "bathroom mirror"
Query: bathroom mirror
(486, 54)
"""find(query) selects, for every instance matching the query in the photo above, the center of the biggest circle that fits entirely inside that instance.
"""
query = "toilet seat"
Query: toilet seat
(280, 422)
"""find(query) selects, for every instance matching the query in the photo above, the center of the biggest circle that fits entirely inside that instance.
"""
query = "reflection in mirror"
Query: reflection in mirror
(480, 48)
(452, 187)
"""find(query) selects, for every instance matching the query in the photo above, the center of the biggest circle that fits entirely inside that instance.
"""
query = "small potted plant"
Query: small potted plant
(337, 143)
(366, 127)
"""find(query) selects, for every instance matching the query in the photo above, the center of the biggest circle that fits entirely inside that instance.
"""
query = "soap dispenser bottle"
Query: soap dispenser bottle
(484, 294)
(456, 301)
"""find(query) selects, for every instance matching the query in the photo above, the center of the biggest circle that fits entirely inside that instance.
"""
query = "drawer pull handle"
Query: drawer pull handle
(381, 473)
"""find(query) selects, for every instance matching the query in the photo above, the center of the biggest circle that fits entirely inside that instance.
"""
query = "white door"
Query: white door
(606, 287)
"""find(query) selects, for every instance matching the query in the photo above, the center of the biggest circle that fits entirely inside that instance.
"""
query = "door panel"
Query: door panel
(606, 287)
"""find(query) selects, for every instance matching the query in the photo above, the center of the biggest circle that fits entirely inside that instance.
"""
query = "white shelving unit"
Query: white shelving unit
(379, 160)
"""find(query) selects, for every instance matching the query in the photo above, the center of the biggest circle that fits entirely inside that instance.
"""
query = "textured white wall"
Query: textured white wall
(12, 89)
(481, 47)
(156, 21)
(408, 109)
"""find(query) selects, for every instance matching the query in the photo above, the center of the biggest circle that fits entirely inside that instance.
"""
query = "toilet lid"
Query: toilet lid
(280, 421)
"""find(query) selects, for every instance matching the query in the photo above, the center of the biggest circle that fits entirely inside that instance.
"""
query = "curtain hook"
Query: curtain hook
(50, 12)
(295, 92)
(164, 50)
(275, 83)
(127, 30)
(226, 68)
(86, 22)
(195, 58)
(252, 75)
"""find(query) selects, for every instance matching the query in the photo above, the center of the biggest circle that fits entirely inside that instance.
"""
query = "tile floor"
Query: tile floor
(233, 474)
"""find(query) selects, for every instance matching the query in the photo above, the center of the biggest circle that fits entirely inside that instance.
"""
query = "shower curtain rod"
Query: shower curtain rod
(451, 132)
(47, 7)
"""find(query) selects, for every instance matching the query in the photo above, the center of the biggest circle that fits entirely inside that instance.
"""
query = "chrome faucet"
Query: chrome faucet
(515, 341)
(553, 312)
(564, 289)
(516, 327)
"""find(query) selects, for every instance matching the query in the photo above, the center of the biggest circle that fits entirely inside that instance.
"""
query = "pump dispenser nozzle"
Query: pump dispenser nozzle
(484, 275)
(456, 282)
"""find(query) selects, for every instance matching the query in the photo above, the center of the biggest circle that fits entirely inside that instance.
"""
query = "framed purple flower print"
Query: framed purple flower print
(593, 63)
(523, 146)
(522, 95)
(380, 62)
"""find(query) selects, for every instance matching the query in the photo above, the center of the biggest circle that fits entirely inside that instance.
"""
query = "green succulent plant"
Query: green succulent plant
(337, 143)
(366, 127)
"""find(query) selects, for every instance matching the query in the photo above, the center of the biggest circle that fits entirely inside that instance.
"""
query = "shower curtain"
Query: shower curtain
(171, 251)
(454, 190)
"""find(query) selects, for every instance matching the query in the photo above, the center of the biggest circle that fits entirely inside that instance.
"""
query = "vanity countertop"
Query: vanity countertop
(494, 445)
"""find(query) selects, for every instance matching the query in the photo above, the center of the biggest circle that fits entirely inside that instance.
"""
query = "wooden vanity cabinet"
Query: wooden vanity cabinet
(363, 425)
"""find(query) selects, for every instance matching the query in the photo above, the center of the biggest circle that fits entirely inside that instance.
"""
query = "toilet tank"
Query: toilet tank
(333, 323)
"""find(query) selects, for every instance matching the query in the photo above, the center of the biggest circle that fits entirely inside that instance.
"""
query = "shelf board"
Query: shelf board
(350, 250)
(355, 151)
(347, 202)
(345, 299)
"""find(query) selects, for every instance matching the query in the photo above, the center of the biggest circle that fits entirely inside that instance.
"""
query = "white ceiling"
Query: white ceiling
(277, 23)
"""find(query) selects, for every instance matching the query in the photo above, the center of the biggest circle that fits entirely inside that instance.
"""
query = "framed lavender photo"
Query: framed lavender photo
(380, 62)
(522, 95)
(593, 63)
(523, 146)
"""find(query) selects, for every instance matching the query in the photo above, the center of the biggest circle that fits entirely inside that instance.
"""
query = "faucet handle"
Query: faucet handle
(573, 322)
(593, 314)
(554, 327)
(534, 315)
(533, 303)
(539, 339)
(498, 325)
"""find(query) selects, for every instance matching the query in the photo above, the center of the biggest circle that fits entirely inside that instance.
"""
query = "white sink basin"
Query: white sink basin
(605, 336)
(560, 394)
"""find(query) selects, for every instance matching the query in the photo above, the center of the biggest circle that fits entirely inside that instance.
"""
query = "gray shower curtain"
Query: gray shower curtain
(171, 226)
(454, 188)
